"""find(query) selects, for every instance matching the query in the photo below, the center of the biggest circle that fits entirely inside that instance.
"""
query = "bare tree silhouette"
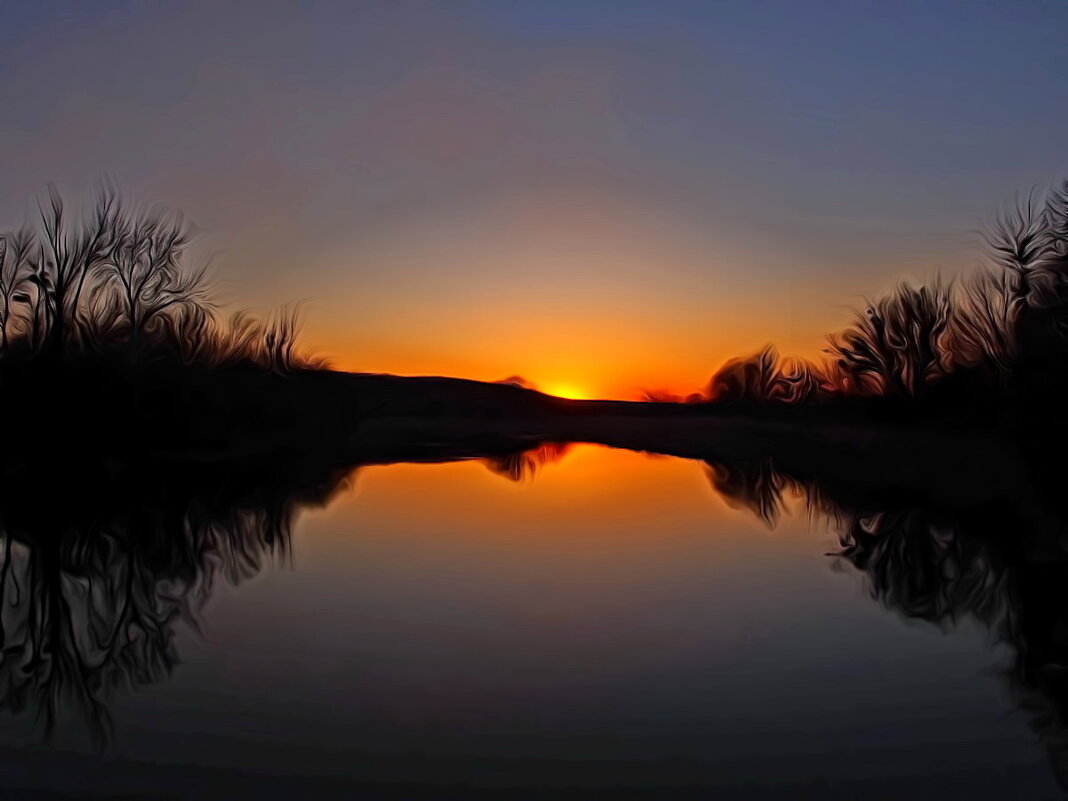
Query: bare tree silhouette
(118, 279)
(1002, 327)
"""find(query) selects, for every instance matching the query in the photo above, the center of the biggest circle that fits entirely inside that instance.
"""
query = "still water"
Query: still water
(609, 622)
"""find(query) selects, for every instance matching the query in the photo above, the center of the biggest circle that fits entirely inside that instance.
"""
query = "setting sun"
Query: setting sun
(566, 390)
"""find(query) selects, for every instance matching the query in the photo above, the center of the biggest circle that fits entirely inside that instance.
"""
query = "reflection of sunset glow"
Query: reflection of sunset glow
(616, 494)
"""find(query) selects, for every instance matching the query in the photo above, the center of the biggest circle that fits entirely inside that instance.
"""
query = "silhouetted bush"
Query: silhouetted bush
(766, 376)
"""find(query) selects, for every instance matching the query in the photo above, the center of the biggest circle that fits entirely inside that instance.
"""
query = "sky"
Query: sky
(602, 197)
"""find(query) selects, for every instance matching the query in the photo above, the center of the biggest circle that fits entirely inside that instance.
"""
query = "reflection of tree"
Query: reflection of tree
(998, 559)
(993, 568)
(93, 584)
(95, 575)
(523, 464)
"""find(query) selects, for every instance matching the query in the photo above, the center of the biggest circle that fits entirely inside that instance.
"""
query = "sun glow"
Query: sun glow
(568, 390)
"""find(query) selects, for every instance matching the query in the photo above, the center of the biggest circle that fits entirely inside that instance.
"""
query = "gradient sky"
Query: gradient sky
(599, 196)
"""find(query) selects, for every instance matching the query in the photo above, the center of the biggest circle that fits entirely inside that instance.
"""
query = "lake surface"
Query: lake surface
(611, 622)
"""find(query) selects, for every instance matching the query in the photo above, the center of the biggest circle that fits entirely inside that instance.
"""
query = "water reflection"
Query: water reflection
(949, 549)
(93, 581)
(94, 587)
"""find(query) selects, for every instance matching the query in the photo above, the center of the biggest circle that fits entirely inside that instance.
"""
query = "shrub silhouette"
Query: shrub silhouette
(898, 344)
(765, 376)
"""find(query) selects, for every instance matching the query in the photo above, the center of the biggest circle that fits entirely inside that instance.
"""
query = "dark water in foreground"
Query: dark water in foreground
(612, 623)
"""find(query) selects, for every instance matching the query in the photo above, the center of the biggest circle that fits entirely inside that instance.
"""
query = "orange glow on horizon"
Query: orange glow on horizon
(566, 389)
(582, 358)
(621, 383)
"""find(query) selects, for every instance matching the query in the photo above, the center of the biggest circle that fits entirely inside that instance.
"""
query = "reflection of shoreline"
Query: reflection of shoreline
(945, 464)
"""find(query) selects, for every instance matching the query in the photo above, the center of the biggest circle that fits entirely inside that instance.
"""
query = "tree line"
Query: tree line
(117, 278)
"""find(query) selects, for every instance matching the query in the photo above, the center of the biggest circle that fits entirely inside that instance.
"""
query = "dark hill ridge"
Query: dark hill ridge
(106, 418)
